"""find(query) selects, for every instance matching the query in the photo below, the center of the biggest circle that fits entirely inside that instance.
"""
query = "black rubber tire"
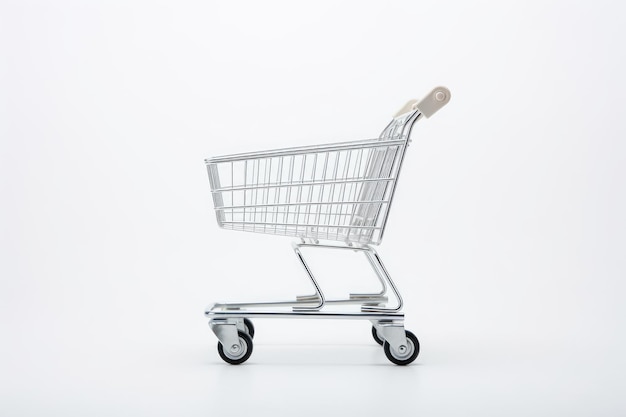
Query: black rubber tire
(375, 336)
(246, 342)
(404, 360)
(249, 327)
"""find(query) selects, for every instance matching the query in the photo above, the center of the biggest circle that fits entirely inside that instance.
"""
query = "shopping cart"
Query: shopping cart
(340, 193)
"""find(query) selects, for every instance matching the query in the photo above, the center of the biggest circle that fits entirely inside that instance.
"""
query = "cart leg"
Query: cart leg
(383, 275)
(374, 299)
(374, 296)
(318, 296)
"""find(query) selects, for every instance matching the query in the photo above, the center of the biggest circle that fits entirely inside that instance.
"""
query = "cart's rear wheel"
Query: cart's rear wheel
(376, 337)
(249, 327)
(236, 354)
(408, 354)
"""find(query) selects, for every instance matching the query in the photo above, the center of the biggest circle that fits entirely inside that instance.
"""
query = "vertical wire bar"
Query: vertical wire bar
(274, 181)
(278, 191)
(299, 198)
(342, 192)
(346, 187)
(289, 189)
(252, 191)
(256, 194)
(332, 193)
(309, 200)
(321, 194)
(245, 192)
(266, 191)
(232, 191)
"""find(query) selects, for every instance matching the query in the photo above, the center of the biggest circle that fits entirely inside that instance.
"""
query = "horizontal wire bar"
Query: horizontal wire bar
(219, 313)
(306, 150)
(296, 183)
(313, 203)
(361, 239)
(239, 214)
(323, 226)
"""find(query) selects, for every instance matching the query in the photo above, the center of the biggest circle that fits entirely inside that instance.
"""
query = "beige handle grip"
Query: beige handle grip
(429, 105)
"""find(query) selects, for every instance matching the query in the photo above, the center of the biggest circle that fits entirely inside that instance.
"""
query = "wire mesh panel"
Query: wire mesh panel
(338, 192)
(332, 194)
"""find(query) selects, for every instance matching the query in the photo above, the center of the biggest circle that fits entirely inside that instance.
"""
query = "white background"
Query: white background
(506, 236)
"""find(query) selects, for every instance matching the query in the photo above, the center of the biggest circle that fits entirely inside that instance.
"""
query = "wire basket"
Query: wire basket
(338, 192)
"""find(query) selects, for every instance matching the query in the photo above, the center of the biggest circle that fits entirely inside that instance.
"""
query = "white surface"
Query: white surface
(511, 261)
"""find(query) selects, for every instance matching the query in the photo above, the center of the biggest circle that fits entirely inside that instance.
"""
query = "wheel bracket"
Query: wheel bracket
(226, 332)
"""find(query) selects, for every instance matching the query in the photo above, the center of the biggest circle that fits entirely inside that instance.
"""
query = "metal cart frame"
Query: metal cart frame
(341, 193)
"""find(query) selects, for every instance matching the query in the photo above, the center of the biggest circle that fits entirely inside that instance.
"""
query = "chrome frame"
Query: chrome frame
(227, 318)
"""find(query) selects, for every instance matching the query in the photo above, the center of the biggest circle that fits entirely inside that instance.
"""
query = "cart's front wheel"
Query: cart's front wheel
(376, 337)
(406, 354)
(236, 354)
(249, 327)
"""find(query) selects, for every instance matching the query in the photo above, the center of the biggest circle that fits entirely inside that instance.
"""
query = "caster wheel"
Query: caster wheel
(375, 336)
(238, 354)
(249, 327)
(408, 355)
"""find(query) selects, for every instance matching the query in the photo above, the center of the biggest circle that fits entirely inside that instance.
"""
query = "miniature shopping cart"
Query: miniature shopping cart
(339, 193)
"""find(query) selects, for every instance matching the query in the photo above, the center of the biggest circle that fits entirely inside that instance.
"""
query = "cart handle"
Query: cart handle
(429, 105)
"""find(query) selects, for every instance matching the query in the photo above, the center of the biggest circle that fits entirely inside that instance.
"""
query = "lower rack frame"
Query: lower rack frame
(228, 320)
